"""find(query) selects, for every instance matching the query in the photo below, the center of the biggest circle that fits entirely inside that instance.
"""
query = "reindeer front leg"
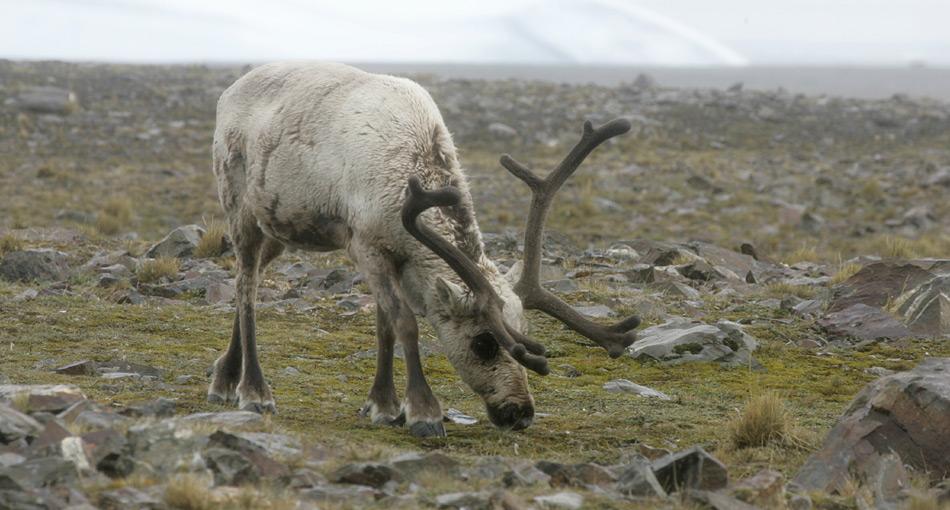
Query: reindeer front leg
(396, 321)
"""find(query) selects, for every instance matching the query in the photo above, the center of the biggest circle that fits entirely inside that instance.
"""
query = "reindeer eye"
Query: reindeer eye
(485, 346)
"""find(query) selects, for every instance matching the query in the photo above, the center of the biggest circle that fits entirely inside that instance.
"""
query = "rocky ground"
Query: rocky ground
(785, 252)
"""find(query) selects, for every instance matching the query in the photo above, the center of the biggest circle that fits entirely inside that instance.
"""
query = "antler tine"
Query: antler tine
(417, 201)
(614, 338)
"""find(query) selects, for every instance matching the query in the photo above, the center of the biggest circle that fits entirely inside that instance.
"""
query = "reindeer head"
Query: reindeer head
(484, 325)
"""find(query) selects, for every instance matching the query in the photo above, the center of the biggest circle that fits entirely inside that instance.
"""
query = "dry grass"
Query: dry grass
(188, 492)
(804, 253)
(844, 272)
(115, 215)
(782, 289)
(765, 420)
(9, 243)
(214, 242)
(155, 269)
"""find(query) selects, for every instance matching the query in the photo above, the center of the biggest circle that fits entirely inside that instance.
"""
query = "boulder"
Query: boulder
(34, 265)
(690, 469)
(637, 479)
(862, 322)
(15, 425)
(877, 284)
(926, 309)
(765, 489)
(681, 340)
(179, 243)
(47, 99)
(907, 413)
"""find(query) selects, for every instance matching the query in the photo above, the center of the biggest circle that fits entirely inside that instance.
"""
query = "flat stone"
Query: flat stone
(566, 500)
(225, 418)
(84, 367)
(410, 465)
(625, 386)
(863, 322)
(596, 311)
(577, 475)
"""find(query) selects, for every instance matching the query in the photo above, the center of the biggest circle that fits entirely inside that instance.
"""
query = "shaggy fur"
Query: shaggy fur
(316, 156)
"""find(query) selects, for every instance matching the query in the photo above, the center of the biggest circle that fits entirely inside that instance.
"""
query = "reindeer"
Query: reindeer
(322, 157)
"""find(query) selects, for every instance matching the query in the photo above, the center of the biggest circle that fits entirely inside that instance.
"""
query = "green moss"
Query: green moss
(692, 348)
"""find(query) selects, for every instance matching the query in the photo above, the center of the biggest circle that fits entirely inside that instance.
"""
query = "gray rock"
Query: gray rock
(230, 467)
(34, 265)
(15, 425)
(39, 472)
(46, 99)
(716, 500)
(130, 497)
(681, 340)
(596, 311)
(465, 500)
(456, 416)
(926, 309)
(525, 475)
(235, 419)
(675, 289)
(877, 284)
(366, 473)
(577, 475)
(862, 322)
(625, 386)
(410, 465)
(566, 500)
(355, 495)
(637, 479)
(765, 489)
(179, 243)
(690, 469)
(502, 131)
(907, 413)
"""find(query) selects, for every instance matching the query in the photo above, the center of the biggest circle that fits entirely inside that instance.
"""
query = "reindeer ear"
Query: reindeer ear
(448, 293)
(514, 274)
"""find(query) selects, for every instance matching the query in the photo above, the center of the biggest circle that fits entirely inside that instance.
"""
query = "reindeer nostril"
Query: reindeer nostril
(511, 416)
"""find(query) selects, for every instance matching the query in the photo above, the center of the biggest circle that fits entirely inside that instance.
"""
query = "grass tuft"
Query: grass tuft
(214, 242)
(765, 420)
(804, 253)
(155, 269)
(115, 215)
(10, 243)
(782, 289)
(188, 492)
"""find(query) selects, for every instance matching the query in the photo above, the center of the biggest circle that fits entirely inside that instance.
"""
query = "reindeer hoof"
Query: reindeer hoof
(427, 429)
(260, 408)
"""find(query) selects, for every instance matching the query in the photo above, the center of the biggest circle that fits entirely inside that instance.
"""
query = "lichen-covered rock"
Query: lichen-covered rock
(682, 340)
(637, 479)
(367, 473)
(34, 265)
(907, 413)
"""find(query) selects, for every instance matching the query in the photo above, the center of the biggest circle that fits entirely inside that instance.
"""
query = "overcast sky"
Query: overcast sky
(655, 32)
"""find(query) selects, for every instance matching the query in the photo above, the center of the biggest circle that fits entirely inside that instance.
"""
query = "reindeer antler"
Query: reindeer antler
(613, 338)
(525, 351)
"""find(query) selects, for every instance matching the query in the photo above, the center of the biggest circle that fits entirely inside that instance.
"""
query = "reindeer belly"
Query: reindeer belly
(302, 226)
